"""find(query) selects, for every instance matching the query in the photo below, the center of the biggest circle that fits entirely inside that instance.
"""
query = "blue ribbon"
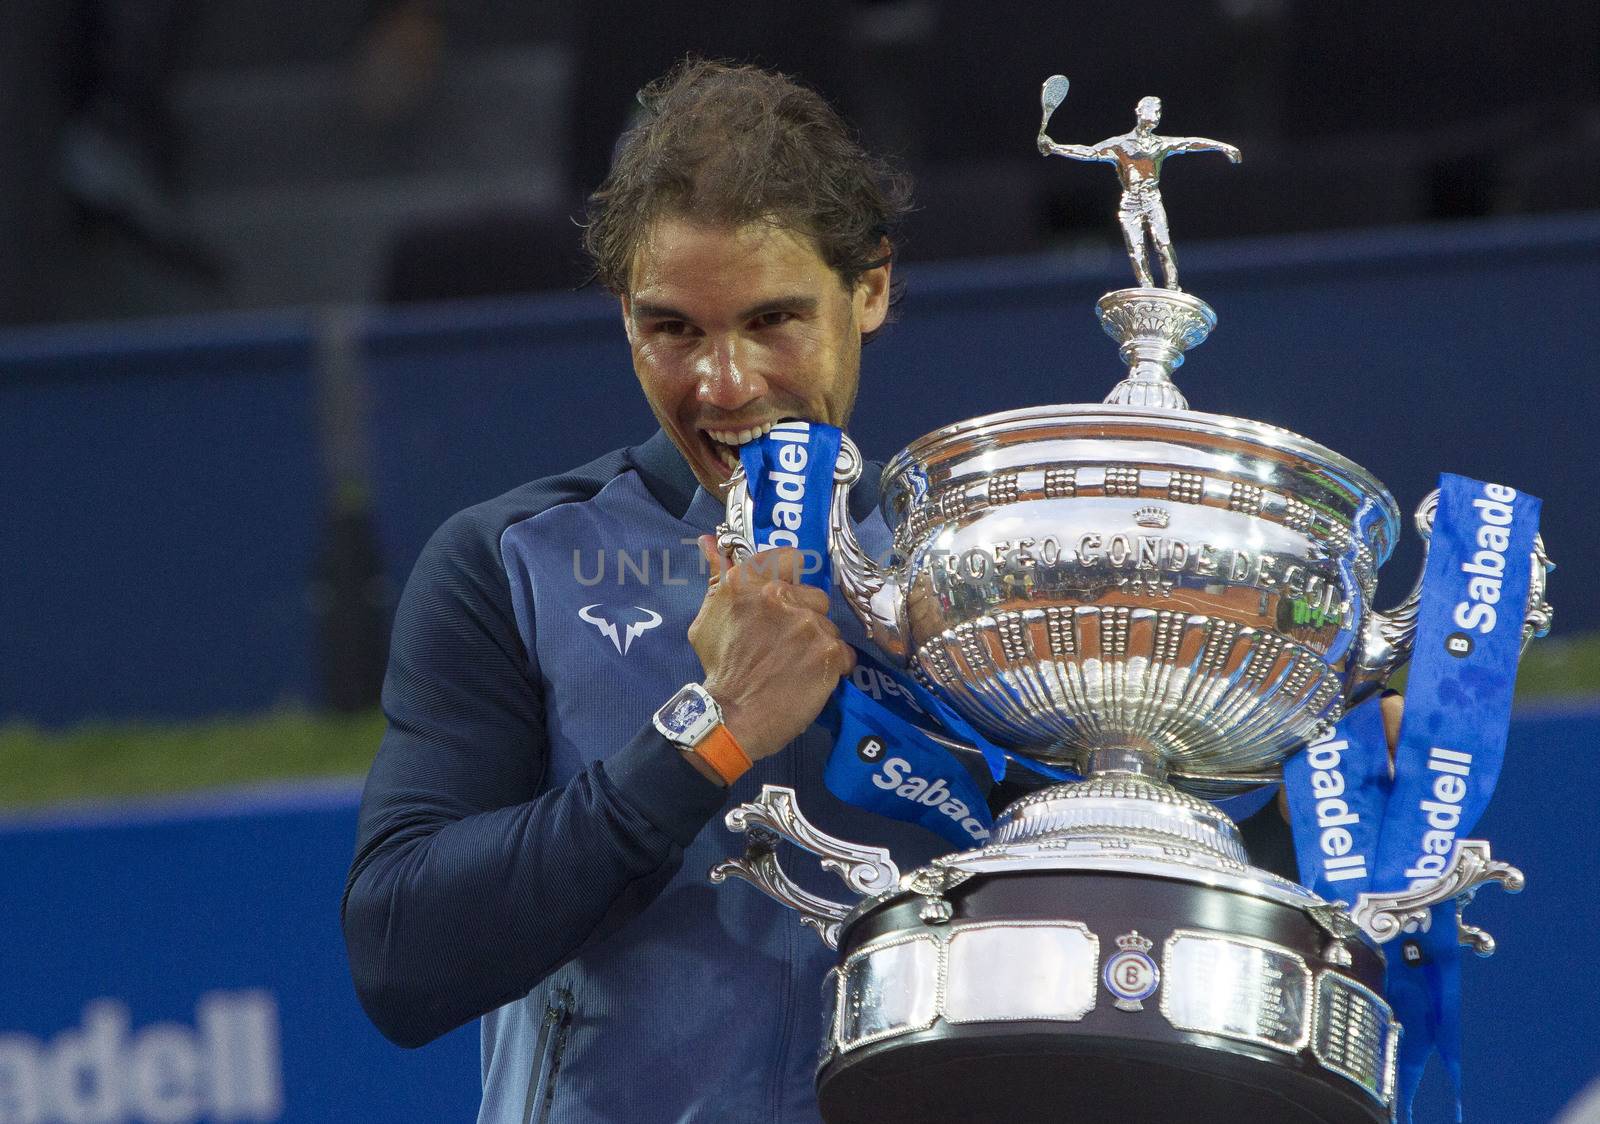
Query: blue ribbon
(1355, 829)
(1453, 738)
(881, 760)
(885, 762)
(789, 474)
(1463, 669)
(1338, 787)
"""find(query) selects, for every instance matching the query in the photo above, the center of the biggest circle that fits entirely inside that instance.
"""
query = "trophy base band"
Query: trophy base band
(1030, 1074)
(1051, 994)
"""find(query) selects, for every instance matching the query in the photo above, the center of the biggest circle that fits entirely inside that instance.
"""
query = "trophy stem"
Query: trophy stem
(1155, 327)
(1123, 792)
(1125, 760)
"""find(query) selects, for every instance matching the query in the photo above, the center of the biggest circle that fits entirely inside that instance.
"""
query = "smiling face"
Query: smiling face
(735, 329)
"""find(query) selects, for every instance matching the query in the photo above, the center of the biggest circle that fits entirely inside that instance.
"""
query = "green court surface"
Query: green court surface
(107, 761)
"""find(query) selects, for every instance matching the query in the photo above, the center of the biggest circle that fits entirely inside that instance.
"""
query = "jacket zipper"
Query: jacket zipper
(547, 1057)
(791, 770)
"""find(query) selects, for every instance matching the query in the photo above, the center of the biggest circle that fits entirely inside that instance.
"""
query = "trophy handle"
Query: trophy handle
(734, 538)
(1387, 638)
(872, 591)
(1385, 916)
(775, 815)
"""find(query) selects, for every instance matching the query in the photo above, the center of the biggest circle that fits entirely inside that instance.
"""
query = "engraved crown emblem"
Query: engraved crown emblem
(1152, 517)
(1133, 942)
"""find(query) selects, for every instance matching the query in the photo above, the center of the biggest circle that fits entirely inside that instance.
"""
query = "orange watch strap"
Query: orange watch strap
(725, 756)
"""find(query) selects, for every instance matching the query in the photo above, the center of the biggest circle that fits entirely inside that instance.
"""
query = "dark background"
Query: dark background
(180, 155)
(356, 219)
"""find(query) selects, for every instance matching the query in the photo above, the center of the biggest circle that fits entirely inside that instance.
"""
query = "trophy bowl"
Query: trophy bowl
(1089, 578)
(1187, 595)
(1170, 603)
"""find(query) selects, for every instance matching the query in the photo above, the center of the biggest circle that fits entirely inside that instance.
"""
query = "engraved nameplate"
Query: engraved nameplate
(830, 1017)
(1237, 988)
(890, 989)
(1353, 1034)
(1045, 971)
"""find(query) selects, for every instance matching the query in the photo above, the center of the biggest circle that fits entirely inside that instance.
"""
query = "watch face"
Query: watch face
(682, 712)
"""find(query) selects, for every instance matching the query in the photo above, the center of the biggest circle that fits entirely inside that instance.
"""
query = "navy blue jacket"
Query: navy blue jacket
(531, 851)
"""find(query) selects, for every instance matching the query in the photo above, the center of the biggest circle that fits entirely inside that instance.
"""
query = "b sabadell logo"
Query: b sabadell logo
(226, 1068)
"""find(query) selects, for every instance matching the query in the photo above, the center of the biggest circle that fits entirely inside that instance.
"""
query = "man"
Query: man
(532, 849)
(1138, 156)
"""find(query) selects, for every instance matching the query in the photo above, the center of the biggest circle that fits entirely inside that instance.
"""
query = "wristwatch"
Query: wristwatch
(692, 721)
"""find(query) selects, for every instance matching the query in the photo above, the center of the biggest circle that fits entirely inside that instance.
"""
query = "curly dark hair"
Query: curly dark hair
(732, 144)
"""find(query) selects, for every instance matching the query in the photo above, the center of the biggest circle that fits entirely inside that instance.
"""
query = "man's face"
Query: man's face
(735, 329)
(1149, 111)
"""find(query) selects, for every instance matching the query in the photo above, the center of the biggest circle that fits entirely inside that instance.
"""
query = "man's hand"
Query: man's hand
(772, 657)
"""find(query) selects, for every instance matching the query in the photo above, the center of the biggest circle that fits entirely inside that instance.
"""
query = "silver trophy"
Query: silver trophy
(1169, 603)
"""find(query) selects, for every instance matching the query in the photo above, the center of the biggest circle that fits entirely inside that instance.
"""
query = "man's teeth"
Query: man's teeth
(737, 437)
(725, 442)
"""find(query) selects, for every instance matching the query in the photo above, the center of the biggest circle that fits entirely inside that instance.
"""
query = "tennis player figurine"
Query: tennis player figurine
(1138, 156)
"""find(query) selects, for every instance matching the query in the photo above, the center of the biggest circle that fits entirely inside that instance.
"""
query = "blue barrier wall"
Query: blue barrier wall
(173, 962)
(163, 492)
(184, 963)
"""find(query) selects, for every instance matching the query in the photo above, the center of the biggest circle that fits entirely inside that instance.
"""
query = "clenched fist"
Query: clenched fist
(772, 656)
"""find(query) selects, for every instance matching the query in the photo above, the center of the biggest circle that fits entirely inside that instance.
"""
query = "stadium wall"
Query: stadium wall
(166, 495)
